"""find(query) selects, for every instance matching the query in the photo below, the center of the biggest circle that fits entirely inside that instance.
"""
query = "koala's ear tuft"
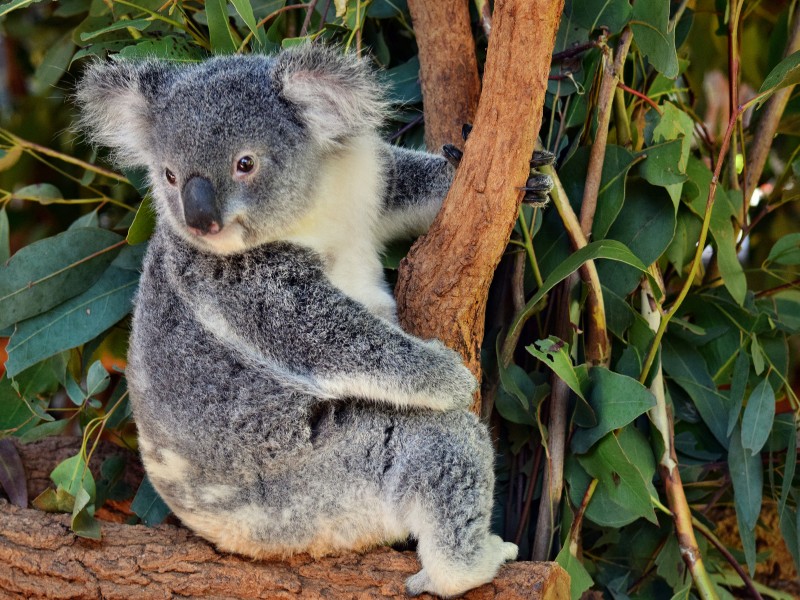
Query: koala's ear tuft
(337, 93)
(117, 102)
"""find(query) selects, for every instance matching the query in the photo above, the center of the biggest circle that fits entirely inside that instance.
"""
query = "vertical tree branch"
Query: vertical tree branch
(448, 68)
(443, 283)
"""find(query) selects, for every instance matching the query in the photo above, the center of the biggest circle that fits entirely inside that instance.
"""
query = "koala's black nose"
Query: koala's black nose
(200, 206)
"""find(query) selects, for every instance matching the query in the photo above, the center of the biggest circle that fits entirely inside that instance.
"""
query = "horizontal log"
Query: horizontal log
(41, 558)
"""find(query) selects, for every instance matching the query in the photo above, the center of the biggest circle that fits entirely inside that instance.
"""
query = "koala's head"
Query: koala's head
(232, 145)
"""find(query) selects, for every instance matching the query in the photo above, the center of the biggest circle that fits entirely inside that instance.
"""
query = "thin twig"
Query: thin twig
(307, 21)
(709, 535)
(639, 94)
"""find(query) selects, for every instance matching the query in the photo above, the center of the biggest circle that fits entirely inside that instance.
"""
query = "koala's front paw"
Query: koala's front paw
(453, 384)
(538, 185)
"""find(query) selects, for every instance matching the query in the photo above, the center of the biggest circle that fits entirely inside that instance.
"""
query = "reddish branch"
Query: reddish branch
(444, 281)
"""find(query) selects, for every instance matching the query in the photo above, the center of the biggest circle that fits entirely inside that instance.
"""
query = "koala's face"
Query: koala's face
(232, 145)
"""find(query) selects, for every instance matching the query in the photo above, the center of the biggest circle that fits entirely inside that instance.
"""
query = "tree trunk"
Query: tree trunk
(41, 558)
(448, 68)
(444, 282)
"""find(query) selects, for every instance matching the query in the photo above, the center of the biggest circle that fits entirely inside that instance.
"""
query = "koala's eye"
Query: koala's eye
(170, 176)
(245, 164)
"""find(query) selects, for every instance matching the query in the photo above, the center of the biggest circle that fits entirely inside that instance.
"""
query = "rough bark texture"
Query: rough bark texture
(41, 558)
(444, 281)
(448, 68)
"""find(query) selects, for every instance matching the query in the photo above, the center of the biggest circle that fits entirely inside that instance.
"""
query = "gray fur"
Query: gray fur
(280, 410)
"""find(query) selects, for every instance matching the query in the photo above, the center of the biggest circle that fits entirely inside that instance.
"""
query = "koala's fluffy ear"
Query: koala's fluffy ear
(338, 93)
(116, 101)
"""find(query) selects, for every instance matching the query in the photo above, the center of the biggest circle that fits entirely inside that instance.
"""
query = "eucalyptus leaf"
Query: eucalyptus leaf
(758, 417)
(148, 505)
(784, 74)
(619, 477)
(580, 580)
(786, 250)
(617, 400)
(138, 24)
(50, 271)
(741, 372)
(97, 379)
(5, 240)
(555, 354)
(74, 322)
(72, 474)
(83, 522)
(650, 25)
(219, 30)
(144, 223)
(43, 193)
(747, 476)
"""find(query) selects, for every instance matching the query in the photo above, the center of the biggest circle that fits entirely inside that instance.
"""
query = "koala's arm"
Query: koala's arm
(287, 316)
(416, 184)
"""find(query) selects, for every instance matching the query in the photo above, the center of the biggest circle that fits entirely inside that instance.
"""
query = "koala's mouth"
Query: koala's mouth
(228, 239)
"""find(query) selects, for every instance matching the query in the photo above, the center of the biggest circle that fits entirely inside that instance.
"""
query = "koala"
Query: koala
(280, 408)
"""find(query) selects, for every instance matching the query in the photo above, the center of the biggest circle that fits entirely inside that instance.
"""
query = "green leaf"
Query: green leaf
(386, 9)
(54, 500)
(747, 476)
(148, 505)
(617, 400)
(554, 353)
(686, 366)
(786, 250)
(43, 193)
(650, 25)
(83, 522)
(785, 73)
(757, 354)
(89, 220)
(43, 430)
(758, 417)
(610, 249)
(74, 322)
(664, 165)
(646, 231)
(591, 14)
(14, 5)
(144, 223)
(97, 379)
(619, 477)
(138, 24)
(245, 10)
(48, 272)
(741, 372)
(222, 41)
(611, 196)
(748, 537)
(73, 475)
(788, 472)
(403, 83)
(5, 239)
(579, 578)
(171, 47)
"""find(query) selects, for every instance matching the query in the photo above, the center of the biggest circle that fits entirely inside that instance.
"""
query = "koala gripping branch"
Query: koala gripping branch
(444, 282)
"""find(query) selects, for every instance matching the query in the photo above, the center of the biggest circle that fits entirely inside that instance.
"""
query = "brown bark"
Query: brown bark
(444, 281)
(41, 558)
(448, 68)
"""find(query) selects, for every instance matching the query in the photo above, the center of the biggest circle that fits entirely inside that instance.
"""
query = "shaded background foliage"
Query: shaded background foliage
(73, 232)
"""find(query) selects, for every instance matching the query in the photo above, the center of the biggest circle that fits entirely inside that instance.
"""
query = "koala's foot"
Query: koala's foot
(447, 581)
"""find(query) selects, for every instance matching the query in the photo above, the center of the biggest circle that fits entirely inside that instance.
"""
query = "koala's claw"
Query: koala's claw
(466, 129)
(541, 158)
(452, 154)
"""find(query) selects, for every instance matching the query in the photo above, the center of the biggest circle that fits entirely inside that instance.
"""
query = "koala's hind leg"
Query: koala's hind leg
(446, 487)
